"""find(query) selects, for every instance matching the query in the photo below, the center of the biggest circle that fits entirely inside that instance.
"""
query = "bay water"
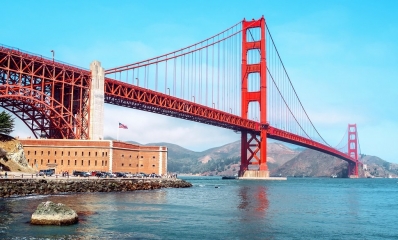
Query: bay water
(299, 208)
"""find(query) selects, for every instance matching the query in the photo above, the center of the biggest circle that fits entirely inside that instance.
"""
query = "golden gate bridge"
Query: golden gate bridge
(235, 79)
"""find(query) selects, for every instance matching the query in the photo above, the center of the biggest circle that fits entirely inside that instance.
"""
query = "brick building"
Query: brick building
(90, 155)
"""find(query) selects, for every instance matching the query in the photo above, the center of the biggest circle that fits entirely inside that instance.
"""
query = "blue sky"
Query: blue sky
(342, 57)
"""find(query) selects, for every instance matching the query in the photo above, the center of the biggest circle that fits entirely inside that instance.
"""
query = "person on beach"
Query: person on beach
(5, 174)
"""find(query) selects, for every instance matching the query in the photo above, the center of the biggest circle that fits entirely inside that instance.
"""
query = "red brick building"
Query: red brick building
(88, 155)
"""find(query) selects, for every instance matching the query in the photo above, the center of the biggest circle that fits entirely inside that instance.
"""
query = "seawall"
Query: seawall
(26, 187)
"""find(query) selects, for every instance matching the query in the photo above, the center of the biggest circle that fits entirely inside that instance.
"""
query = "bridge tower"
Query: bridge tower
(353, 150)
(254, 147)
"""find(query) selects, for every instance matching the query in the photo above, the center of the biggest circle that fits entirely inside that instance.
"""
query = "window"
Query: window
(82, 163)
(122, 155)
(106, 154)
(89, 162)
(142, 156)
(102, 153)
(137, 165)
(106, 162)
(130, 156)
(42, 153)
(48, 161)
(75, 162)
(102, 162)
(41, 162)
(28, 152)
(75, 153)
(28, 160)
(62, 162)
(55, 161)
(55, 153)
(137, 156)
(35, 161)
(129, 164)
(68, 162)
(95, 162)
(122, 164)
(153, 157)
(35, 153)
(48, 153)
(89, 154)
(96, 154)
(142, 165)
(82, 154)
(68, 153)
(62, 153)
(153, 165)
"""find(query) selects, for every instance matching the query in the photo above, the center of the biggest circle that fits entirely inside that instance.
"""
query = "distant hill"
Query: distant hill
(377, 167)
(283, 160)
(223, 160)
(310, 163)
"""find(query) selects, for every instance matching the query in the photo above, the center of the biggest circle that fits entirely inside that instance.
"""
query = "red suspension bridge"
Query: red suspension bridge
(235, 80)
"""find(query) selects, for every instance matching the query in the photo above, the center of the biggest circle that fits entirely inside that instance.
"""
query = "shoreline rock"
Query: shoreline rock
(28, 187)
(49, 213)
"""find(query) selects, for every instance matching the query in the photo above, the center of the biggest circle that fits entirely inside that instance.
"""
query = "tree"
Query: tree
(6, 123)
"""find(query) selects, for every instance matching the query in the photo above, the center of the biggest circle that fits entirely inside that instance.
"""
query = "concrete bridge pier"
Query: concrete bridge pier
(97, 95)
(254, 174)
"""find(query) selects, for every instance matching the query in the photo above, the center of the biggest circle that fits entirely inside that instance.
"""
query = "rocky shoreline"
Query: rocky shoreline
(28, 187)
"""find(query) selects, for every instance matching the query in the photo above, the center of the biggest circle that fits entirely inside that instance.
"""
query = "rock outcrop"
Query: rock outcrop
(49, 213)
(12, 156)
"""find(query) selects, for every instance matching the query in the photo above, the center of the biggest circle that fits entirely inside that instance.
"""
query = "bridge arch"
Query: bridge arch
(35, 110)
(50, 97)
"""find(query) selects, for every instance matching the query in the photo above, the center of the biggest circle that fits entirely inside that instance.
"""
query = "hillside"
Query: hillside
(310, 163)
(223, 160)
(377, 167)
(283, 160)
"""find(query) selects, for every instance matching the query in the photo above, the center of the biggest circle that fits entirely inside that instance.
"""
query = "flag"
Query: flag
(121, 125)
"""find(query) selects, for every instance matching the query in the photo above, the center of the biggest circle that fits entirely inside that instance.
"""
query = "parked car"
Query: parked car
(141, 175)
(47, 172)
(129, 175)
(120, 174)
(81, 174)
(101, 174)
(111, 175)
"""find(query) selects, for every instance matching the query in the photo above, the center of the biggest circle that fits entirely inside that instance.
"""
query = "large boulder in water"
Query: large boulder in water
(49, 213)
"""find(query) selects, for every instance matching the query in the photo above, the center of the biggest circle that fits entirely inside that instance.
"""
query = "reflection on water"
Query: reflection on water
(253, 201)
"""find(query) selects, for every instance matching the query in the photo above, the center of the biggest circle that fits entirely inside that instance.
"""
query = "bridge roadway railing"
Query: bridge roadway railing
(43, 60)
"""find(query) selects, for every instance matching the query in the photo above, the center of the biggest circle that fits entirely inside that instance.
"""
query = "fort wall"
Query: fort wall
(94, 155)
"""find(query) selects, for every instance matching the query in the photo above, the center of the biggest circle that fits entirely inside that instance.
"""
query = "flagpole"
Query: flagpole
(117, 132)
